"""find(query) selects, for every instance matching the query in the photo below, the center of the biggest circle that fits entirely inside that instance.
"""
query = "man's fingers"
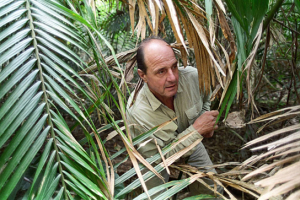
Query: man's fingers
(214, 113)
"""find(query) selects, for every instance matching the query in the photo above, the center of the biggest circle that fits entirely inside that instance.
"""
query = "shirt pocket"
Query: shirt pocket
(194, 112)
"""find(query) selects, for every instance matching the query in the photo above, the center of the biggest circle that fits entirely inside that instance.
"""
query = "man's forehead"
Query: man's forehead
(155, 43)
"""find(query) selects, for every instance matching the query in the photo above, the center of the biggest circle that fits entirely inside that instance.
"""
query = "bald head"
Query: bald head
(147, 46)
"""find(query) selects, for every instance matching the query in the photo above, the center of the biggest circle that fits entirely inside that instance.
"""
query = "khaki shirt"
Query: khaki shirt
(148, 112)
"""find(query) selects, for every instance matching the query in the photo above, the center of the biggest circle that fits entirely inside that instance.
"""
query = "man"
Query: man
(170, 92)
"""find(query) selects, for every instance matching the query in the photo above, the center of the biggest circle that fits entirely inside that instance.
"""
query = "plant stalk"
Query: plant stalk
(271, 14)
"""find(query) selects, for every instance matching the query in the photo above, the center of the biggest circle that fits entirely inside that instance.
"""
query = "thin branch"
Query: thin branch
(281, 23)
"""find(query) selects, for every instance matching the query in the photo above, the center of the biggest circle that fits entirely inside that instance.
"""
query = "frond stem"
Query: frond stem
(45, 93)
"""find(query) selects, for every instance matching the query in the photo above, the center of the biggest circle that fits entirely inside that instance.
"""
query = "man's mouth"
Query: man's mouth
(171, 86)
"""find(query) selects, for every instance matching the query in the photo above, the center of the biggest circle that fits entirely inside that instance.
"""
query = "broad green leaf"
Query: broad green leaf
(78, 190)
(26, 160)
(159, 188)
(297, 3)
(14, 50)
(15, 64)
(229, 96)
(232, 8)
(241, 43)
(80, 186)
(177, 187)
(59, 194)
(21, 150)
(21, 88)
(63, 53)
(10, 7)
(21, 118)
(12, 28)
(11, 17)
(60, 91)
(50, 181)
(46, 18)
(78, 159)
(75, 147)
(16, 77)
(42, 163)
(58, 78)
(58, 44)
(61, 103)
(66, 12)
(13, 40)
(69, 194)
(84, 180)
(50, 30)
(5, 2)
(46, 173)
(41, 6)
(60, 64)
(18, 107)
(259, 9)
(20, 135)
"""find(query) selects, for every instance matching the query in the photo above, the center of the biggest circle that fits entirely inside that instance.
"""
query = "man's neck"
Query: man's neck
(169, 102)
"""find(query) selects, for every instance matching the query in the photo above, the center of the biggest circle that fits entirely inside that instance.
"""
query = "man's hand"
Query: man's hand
(206, 123)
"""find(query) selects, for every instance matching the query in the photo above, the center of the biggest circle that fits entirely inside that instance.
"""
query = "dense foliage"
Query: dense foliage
(66, 69)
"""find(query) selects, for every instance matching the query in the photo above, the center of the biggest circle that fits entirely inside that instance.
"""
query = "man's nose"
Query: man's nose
(171, 75)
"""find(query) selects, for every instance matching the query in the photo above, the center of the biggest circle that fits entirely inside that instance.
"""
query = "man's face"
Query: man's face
(162, 71)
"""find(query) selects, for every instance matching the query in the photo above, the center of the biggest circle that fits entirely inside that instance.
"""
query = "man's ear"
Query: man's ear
(142, 75)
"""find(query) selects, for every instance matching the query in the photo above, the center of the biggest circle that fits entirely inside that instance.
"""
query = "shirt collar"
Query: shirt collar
(153, 101)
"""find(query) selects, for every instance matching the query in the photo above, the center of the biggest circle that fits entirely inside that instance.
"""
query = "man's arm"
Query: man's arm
(163, 137)
(202, 126)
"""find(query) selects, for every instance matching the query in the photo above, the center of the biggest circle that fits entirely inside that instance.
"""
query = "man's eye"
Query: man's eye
(161, 71)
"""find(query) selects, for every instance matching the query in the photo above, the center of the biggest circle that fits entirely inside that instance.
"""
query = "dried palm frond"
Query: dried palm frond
(187, 19)
(277, 167)
(274, 172)
(110, 61)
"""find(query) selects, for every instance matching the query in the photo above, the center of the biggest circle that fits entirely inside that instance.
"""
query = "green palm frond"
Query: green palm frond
(37, 82)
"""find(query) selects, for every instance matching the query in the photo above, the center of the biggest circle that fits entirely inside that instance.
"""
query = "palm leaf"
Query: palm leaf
(36, 71)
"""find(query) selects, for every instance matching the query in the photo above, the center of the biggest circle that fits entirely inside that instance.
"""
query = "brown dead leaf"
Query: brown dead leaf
(172, 15)
(250, 59)
(236, 119)
(271, 166)
(131, 13)
(204, 40)
(295, 195)
(129, 69)
(270, 135)
(113, 134)
(226, 30)
(289, 176)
